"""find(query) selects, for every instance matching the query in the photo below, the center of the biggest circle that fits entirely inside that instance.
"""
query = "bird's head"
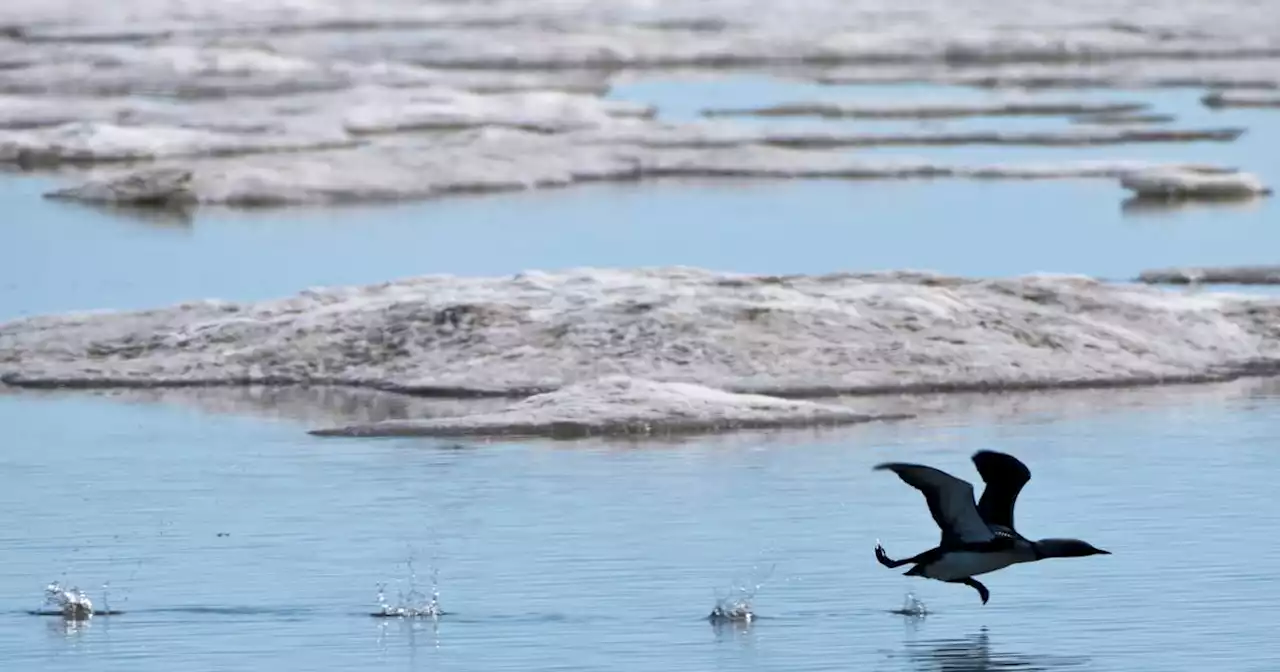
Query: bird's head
(1067, 548)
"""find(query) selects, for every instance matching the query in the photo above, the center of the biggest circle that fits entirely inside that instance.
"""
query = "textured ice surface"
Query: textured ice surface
(621, 405)
(510, 33)
(1242, 99)
(1236, 275)
(394, 171)
(1123, 119)
(1182, 184)
(96, 143)
(1125, 73)
(934, 110)
(785, 335)
(493, 158)
(179, 83)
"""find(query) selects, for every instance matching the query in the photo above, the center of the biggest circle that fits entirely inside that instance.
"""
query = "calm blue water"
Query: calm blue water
(583, 556)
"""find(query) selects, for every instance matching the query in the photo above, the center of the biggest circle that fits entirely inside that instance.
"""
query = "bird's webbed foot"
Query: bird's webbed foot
(974, 584)
(885, 559)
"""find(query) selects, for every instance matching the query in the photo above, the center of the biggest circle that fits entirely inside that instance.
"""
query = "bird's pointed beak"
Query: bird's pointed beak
(1102, 552)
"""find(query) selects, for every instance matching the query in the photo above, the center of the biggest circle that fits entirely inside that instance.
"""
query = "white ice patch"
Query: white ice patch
(783, 335)
(1168, 183)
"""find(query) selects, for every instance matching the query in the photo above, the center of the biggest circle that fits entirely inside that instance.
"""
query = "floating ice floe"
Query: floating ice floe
(361, 109)
(1122, 119)
(1165, 183)
(497, 159)
(1219, 99)
(655, 32)
(545, 112)
(275, 47)
(791, 336)
(1236, 275)
(722, 135)
(623, 406)
(38, 132)
(334, 101)
(1244, 72)
(91, 142)
(930, 110)
(219, 73)
(277, 50)
(558, 122)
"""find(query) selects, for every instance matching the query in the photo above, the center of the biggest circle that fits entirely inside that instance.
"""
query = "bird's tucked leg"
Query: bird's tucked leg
(889, 562)
(974, 584)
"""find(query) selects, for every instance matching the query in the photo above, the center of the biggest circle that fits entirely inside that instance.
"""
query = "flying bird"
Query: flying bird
(976, 539)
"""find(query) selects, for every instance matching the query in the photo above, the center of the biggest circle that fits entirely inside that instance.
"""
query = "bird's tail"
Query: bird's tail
(918, 570)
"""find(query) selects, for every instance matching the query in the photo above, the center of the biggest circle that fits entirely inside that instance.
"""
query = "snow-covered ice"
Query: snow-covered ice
(783, 335)
(267, 102)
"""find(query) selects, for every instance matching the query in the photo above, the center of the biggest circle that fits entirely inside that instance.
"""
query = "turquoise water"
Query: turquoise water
(233, 540)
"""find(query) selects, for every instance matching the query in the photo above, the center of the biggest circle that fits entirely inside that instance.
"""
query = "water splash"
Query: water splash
(412, 603)
(71, 602)
(106, 596)
(732, 612)
(736, 606)
(912, 606)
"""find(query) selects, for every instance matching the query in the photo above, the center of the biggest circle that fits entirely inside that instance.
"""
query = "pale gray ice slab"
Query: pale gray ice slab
(1234, 275)
(930, 110)
(495, 160)
(1123, 119)
(1219, 73)
(1166, 183)
(1219, 99)
(784, 335)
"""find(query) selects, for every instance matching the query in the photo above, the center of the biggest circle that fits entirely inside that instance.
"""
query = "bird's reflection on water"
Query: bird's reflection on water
(69, 629)
(974, 653)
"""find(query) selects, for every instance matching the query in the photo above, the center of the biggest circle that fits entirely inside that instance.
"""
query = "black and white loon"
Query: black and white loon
(976, 539)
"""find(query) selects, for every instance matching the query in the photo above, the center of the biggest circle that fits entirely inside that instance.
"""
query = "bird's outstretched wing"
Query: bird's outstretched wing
(1004, 476)
(950, 501)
